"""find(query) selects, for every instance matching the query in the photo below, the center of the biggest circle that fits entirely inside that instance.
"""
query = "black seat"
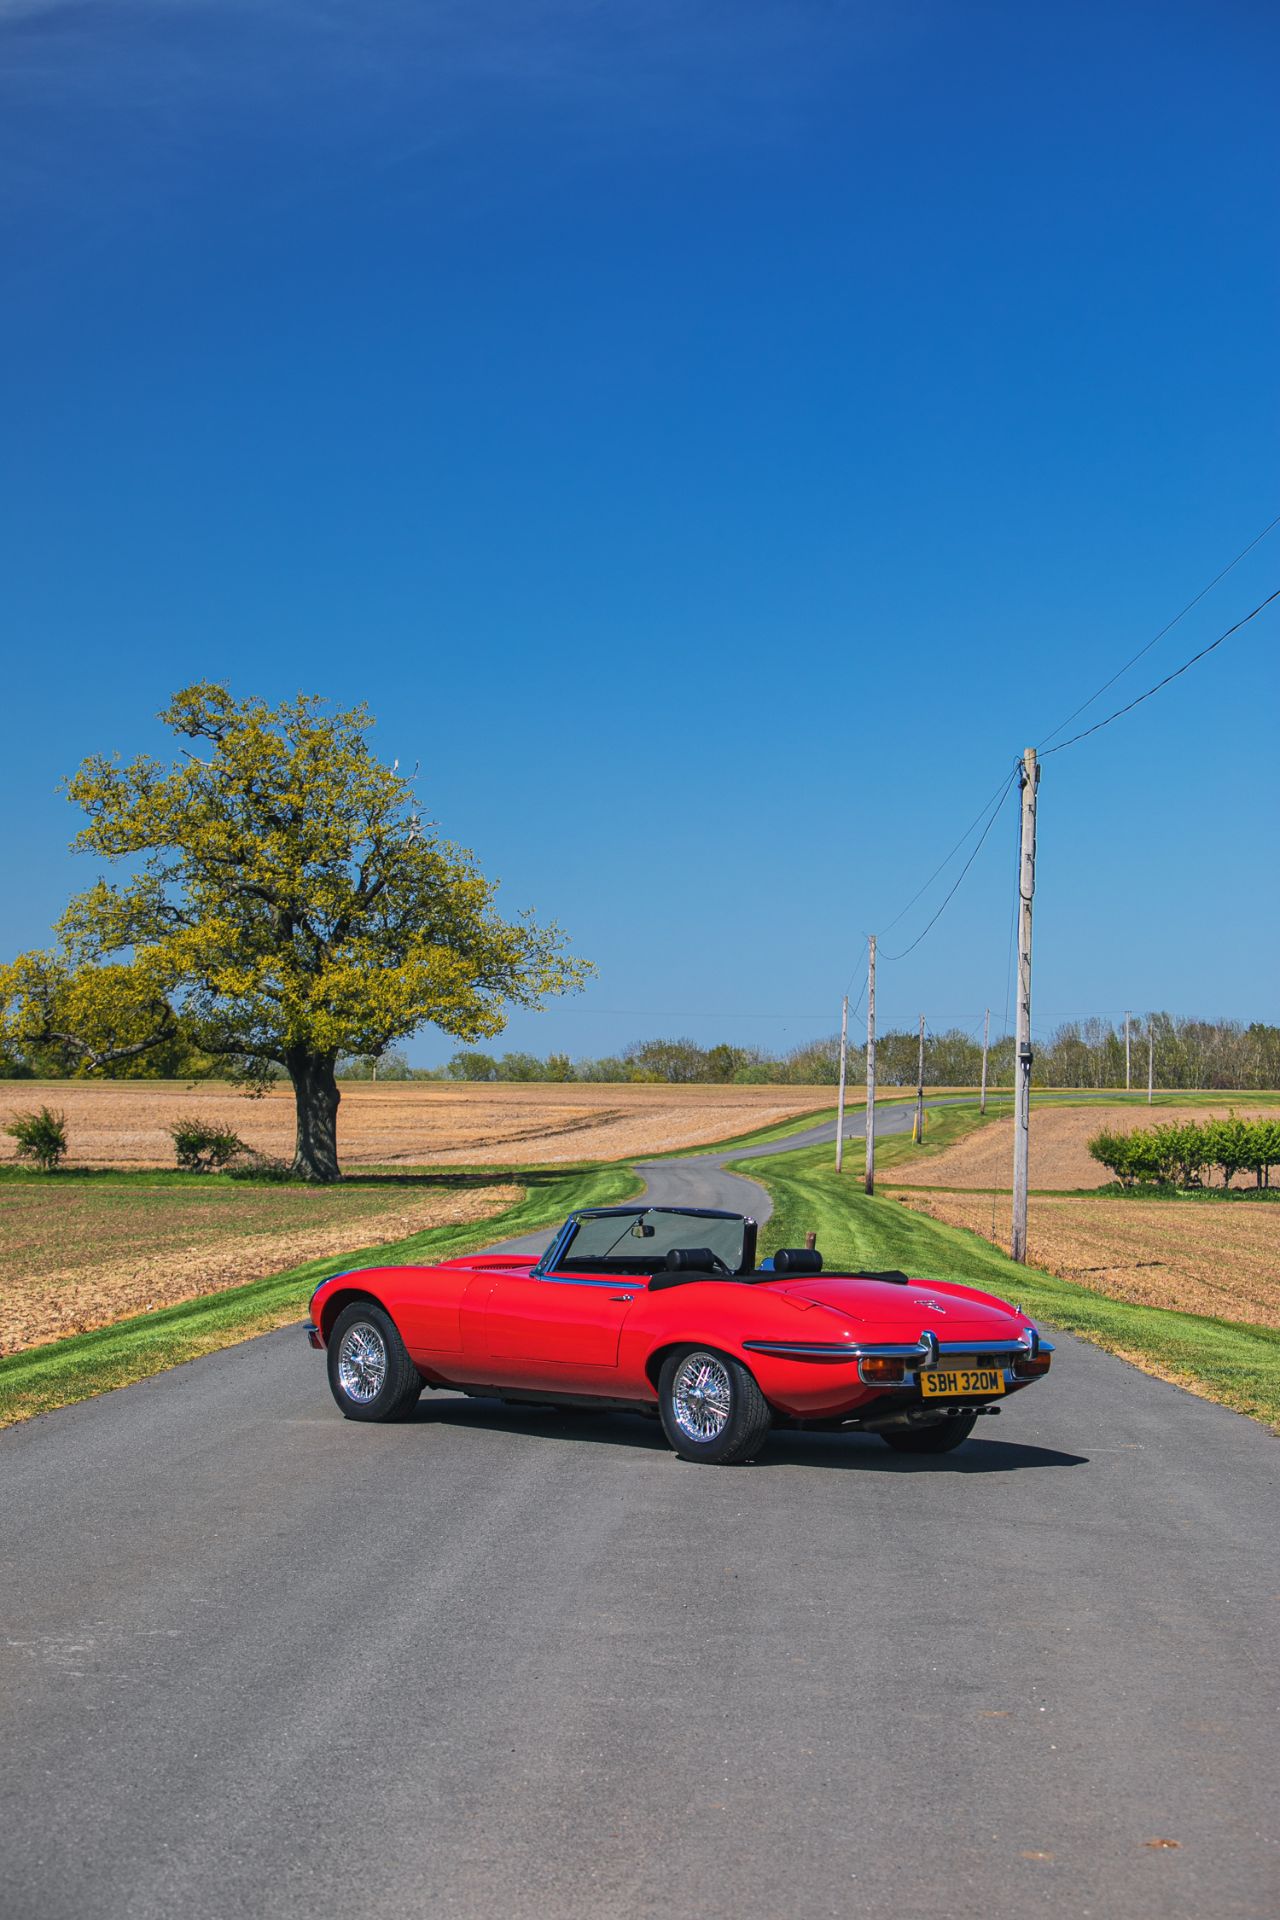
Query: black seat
(691, 1260)
(686, 1264)
(797, 1260)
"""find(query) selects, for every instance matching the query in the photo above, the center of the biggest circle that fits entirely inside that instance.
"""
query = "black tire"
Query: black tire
(940, 1438)
(365, 1340)
(736, 1408)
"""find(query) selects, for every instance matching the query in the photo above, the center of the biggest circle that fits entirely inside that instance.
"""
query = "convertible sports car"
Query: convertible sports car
(664, 1310)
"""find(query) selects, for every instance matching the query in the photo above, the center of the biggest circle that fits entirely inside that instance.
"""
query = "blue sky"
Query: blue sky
(714, 439)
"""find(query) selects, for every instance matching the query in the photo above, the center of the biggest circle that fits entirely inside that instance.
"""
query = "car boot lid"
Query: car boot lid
(953, 1312)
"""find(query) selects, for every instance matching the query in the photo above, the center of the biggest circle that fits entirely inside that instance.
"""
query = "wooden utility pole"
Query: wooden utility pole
(920, 1088)
(1030, 778)
(1151, 1061)
(844, 1063)
(986, 1042)
(1128, 1080)
(869, 1126)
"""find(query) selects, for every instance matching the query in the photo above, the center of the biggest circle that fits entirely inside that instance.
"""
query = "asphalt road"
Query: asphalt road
(260, 1662)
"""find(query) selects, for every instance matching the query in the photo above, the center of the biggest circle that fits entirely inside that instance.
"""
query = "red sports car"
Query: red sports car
(664, 1310)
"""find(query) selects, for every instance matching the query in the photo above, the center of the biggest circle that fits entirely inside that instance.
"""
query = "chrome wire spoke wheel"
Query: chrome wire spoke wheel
(701, 1397)
(362, 1362)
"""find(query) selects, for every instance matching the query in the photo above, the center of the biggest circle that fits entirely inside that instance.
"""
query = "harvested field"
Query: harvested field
(1204, 1257)
(123, 1123)
(80, 1254)
(1059, 1146)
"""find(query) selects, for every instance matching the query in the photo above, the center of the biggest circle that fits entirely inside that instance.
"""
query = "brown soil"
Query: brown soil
(1059, 1156)
(76, 1256)
(1197, 1256)
(408, 1123)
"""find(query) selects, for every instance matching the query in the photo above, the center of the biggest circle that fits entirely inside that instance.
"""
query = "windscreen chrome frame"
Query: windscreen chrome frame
(560, 1245)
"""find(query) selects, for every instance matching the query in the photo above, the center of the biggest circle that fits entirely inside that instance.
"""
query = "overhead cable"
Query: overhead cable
(1004, 795)
(1167, 628)
(982, 811)
(1176, 674)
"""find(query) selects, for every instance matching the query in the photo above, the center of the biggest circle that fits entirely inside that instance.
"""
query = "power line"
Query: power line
(950, 857)
(1004, 795)
(998, 799)
(1176, 674)
(997, 796)
(1167, 628)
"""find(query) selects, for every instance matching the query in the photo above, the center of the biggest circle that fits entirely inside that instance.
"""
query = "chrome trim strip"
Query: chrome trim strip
(803, 1350)
(585, 1280)
(552, 1254)
(1018, 1346)
(926, 1352)
(834, 1350)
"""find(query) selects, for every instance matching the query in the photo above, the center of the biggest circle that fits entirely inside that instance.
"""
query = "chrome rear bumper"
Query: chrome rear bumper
(926, 1352)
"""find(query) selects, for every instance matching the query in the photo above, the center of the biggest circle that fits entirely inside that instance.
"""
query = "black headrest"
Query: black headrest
(797, 1260)
(691, 1260)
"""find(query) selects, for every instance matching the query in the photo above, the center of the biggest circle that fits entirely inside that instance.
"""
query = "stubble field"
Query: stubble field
(1059, 1155)
(415, 1123)
(1198, 1256)
(1210, 1256)
(81, 1253)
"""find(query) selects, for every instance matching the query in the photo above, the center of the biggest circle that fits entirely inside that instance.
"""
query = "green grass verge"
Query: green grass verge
(1228, 1097)
(780, 1130)
(1236, 1364)
(799, 1123)
(943, 1127)
(64, 1371)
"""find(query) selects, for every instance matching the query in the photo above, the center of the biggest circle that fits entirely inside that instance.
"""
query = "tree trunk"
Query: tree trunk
(316, 1096)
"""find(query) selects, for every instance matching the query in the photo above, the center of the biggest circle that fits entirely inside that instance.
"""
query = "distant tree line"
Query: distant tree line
(1189, 1054)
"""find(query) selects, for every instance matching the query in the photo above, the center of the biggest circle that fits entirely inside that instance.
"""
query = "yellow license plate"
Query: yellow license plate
(960, 1383)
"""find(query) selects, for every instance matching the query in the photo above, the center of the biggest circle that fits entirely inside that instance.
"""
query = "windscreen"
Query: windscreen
(640, 1243)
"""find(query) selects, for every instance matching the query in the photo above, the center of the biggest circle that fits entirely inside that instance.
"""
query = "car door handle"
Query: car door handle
(621, 1298)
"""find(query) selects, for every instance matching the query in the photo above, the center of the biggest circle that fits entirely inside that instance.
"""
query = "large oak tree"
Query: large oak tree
(283, 904)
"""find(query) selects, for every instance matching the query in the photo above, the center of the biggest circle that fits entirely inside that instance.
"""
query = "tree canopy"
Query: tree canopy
(284, 903)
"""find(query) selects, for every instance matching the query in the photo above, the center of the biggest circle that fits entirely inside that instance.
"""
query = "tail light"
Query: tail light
(1030, 1366)
(885, 1372)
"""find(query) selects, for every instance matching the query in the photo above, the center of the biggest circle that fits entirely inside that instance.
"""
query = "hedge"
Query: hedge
(1180, 1156)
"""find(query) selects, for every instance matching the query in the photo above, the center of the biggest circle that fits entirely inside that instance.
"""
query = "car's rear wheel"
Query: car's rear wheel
(711, 1408)
(370, 1373)
(939, 1438)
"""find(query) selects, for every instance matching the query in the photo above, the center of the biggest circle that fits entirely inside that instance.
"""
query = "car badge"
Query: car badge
(936, 1308)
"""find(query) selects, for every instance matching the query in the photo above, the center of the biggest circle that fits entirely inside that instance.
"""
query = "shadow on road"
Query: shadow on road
(850, 1452)
(863, 1452)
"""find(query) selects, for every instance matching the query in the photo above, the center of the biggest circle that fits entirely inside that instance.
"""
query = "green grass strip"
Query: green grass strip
(799, 1123)
(943, 1127)
(780, 1130)
(64, 1371)
(1234, 1363)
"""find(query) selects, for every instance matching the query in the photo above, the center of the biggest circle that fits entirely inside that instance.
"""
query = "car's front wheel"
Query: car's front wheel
(941, 1437)
(711, 1408)
(370, 1373)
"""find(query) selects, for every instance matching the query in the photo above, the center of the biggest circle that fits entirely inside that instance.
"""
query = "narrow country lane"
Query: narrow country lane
(262, 1664)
